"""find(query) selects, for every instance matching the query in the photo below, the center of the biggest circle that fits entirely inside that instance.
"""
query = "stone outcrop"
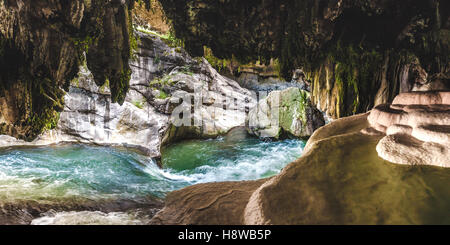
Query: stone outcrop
(181, 87)
(41, 48)
(285, 113)
(166, 86)
(89, 116)
(355, 54)
(263, 85)
(215, 203)
(215, 103)
(416, 127)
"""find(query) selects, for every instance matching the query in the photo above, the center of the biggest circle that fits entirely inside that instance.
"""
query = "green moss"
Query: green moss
(293, 105)
(216, 63)
(139, 104)
(75, 82)
(168, 38)
(104, 86)
(120, 87)
(46, 121)
(166, 80)
(159, 82)
(355, 71)
(133, 39)
(277, 68)
(44, 109)
(187, 69)
(162, 95)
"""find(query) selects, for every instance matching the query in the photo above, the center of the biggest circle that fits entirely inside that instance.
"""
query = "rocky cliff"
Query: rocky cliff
(172, 96)
(41, 48)
(356, 54)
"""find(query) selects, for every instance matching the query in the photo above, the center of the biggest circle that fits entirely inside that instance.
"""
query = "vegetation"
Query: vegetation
(169, 38)
(354, 71)
(139, 103)
(162, 95)
(218, 64)
(302, 105)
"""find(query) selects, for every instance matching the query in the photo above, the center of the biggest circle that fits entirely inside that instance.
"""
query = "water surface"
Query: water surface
(94, 172)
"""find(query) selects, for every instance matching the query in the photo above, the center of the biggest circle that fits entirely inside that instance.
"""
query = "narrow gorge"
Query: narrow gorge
(256, 112)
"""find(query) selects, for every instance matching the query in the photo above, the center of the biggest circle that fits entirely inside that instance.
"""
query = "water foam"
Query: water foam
(68, 171)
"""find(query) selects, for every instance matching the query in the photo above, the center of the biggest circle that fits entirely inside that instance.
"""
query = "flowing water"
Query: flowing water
(71, 171)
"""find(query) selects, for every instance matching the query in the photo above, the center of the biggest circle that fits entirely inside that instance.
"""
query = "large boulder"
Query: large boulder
(285, 113)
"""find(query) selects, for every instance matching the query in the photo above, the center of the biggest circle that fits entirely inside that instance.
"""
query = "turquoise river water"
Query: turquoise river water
(94, 172)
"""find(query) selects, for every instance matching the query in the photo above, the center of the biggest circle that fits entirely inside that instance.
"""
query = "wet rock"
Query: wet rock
(416, 127)
(207, 204)
(285, 113)
(89, 116)
(339, 179)
(65, 211)
(260, 84)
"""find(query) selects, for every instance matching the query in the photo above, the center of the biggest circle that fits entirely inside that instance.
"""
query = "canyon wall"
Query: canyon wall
(41, 48)
(356, 54)
(172, 96)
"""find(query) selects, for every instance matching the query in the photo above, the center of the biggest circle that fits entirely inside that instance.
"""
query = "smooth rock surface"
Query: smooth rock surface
(207, 204)
(285, 113)
(89, 116)
(416, 127)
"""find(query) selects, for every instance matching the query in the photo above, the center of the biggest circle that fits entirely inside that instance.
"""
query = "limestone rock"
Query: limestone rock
(387, 52)
(286, 112)
(416, 127)
(89, 116)
(215, 203)
(147, 119)
(41, 49)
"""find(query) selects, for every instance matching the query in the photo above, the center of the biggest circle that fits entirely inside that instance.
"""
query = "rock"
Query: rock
(215, 203)
(286, 112)
(89, 116)
(349, 71)
(339, 179)
(215, 103)
(424, 98)
(261, 84)
(147, 119)
(237, 134)
(31, 87)
(25, 212)
(406, 149)
(416, 127)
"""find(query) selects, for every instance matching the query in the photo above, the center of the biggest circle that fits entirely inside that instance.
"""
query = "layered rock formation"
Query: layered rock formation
(41, 48)
(166, 86)
(355, 54)
(285, 113)
(417, 128)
